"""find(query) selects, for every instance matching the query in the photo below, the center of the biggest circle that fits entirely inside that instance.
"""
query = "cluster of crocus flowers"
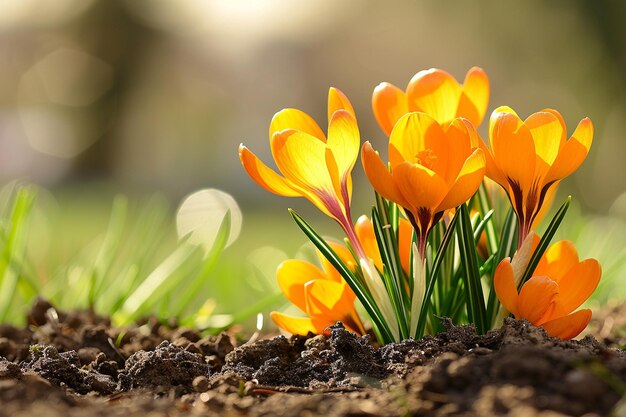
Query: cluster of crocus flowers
(436, 163)
(559, 285)
(432, 168)
(529, 157)
(321, 294)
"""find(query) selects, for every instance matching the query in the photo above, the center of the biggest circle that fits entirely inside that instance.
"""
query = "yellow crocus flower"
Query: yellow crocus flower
(436, 93)
(529, 157)
(432, 168)
(312, 165)
(321, 294)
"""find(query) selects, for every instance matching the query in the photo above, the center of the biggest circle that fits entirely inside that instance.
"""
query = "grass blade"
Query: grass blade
(481, 225)
(171, 273)
(196, 282)
(13, 253)
(484, 205)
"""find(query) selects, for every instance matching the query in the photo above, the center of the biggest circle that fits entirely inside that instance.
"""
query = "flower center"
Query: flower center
(426, 158)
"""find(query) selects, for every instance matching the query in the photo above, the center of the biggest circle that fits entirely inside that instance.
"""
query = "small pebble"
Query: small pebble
(200, 384)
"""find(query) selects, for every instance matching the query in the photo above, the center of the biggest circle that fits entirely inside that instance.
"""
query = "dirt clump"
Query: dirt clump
(166, 367)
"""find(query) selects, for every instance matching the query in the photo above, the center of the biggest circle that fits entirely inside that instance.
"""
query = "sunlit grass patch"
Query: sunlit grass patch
(128, 262)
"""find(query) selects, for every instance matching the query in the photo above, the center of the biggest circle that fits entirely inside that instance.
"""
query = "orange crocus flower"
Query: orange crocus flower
(312, 165)
(528, 158)
(559, 285)
(436, 93)
(433, 168)
(320, 293)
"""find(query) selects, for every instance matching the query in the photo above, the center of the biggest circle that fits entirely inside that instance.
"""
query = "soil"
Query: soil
(76, 364)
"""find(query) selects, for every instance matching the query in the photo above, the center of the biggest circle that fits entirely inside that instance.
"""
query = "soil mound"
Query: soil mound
(77, 364)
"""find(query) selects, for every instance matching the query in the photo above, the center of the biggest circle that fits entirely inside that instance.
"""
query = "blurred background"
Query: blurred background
(99, 97)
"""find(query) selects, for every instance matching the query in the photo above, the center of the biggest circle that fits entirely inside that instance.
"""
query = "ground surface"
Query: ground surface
(76, 364)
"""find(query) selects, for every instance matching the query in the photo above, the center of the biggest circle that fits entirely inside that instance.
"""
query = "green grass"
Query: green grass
(122, 258)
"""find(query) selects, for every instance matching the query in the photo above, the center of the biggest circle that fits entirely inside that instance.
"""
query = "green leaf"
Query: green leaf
(481, 225)
(434, 273)
(545, 241)
(484, 205)
(359, 288)
(393, 274)
(470, 275)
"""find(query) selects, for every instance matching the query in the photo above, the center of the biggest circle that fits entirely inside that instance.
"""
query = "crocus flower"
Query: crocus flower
(320, 293)
(559, 285)
(319, 168)
(312, 165)
(529, 157)
(436, 93)
(434, 167)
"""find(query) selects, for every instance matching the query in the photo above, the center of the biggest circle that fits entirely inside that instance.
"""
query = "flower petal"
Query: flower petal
(493, 171)
(329, 298)
(420, 186)
(537, 298)
(504, 284)
(302, 159)
(557, 260)
(297, 120)
(512, 147)
(265, 176)
(389, 104)
(458, 147)
(338, 101)
(294, 325)
(577, 286)
(343, 141)
(547, 133)
(292, 275)
(405, 240)
(365, 233)
(573, 153)
(522, 255)
(379, 176)
(562, 123)
(475, 97)
(435, 92)
(568, 327)
(467, 182)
